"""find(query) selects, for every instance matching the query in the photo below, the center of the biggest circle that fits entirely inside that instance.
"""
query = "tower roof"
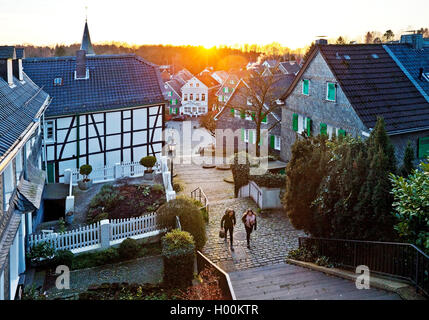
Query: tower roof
(86, 41)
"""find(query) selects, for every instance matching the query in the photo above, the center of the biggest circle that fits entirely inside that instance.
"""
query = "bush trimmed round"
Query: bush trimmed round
(129, 249)
(148, 161)
(178, 252)
(190, 217)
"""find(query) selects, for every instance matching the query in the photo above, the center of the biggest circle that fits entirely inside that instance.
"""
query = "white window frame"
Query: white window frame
(277, 142)
(185, 97)
(246, 135)
(49, 123)
(19, 165)
(327, 91)
(8, 186)
(301, 124)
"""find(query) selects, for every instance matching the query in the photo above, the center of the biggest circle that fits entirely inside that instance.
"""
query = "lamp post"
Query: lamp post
(171, 151)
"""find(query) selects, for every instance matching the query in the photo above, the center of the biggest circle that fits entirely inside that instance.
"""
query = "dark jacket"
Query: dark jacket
(243, 219)
(227, 221)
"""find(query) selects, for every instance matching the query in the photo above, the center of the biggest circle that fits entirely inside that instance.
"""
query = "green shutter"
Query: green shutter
(323, 129)
(51, 172)
(242, 114)
(253, 116)
(423, 150)
(242, 134)
(250, 136)
(177, 110)
(232, 111)
(264, 120)
(331, 91)
(308, 120)
(341, 133)
(272, 141)
(295, 122)
(305, 84)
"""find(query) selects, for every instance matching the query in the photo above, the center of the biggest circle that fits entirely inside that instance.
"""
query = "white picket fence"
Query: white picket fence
(99, 235)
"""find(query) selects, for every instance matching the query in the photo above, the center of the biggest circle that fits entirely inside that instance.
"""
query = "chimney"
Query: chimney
(415, 40)
(17, 64)
(7, 55)
(81, 65)
(321, 41)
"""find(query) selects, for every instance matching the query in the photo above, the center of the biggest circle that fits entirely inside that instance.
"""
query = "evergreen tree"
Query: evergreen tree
(407, 165)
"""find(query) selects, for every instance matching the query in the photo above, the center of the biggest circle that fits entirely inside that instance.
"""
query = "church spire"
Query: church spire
(86, 41)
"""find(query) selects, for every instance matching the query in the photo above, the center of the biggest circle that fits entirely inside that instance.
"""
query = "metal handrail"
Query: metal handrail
(198, 194)
(400, 260)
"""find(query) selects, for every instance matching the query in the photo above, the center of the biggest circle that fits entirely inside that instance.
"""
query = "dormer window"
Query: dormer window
(375, 56)
(58, 81)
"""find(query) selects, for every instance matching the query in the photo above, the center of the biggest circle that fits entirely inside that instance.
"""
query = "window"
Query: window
(277, 142)
(185, 97)
(331, 91)
(201, 110)
(173, 102)
(323, 129)
(203, 97)
(264, 120)
(191, 84)
(295, 122)
(248, 116)
(191, 97)
(246, 135)
(225, 89)
(50, 131)
(305, 87)
(18, 165)
(197, 98)
(237, 113)
(197, 84)
(231, 82)
(58, 81)
(423, 147)
(220, 98)
(8, 186)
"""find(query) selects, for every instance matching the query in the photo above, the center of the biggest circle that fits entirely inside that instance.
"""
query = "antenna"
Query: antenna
(412, 31)
(86, 13)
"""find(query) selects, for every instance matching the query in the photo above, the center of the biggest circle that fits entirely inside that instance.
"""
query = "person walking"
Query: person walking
(249, 220)
(227, 223)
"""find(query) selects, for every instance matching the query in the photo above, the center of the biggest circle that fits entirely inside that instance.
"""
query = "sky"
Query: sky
(294, 24)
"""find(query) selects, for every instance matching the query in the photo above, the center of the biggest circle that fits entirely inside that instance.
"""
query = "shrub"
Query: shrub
(269, 180)
(107, 256)
(41, 251)
(148, 162)
(158, 188)
(190, 217)
(129, 249)
(178, 251)
(64, 257)
(85, 170)
(177, 186)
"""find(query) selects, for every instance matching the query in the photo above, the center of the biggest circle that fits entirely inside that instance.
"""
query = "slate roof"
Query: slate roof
(20, 54)
(18, 108)
(208, 81)
(412, 60)
(291, 67)
(115, 82)
(7, 52)
(374, 85)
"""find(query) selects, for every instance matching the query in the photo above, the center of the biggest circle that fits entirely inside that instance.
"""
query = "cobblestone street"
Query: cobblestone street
(270, 243)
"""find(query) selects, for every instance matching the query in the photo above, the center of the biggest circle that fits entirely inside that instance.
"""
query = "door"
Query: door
(51, 172)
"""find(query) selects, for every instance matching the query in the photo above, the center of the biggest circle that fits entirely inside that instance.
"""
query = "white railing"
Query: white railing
(102, 234)
(87, 237)
(125, 228)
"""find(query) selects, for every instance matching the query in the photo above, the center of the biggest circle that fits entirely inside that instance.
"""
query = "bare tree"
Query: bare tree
(257, 99)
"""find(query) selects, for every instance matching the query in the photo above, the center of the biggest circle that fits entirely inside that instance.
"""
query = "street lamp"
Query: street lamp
(171, 152)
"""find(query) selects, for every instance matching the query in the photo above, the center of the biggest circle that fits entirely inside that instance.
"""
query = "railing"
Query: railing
(83, 237)
(225, 282)
(199, 195)
(125, 228)
(401, 260)
(99, 235)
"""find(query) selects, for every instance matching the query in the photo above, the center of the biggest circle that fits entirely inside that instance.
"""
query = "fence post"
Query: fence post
(69, 204)
(117, 170)
(105, 233)
(67, 176)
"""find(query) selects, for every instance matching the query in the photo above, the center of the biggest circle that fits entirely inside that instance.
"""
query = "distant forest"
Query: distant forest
(193, 58)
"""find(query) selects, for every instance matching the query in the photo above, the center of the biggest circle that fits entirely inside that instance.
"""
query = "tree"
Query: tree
(407, 165)
(369, 37)
(257, 98)
(60, 51)
(389, 35)
(208, 122)
(340, 40)
(411, 206)
(377, 40)
(424, 32)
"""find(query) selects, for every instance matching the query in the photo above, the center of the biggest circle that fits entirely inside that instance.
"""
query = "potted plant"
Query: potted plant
(148, 162)
(69, 217)
(85, 183)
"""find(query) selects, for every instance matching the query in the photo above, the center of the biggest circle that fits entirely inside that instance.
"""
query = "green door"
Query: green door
(51, 172)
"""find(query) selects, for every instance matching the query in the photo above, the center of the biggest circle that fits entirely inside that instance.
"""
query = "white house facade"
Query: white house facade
(194, 98)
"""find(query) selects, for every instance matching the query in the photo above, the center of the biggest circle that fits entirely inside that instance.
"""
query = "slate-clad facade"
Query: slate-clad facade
(22, 105)
(344, 88)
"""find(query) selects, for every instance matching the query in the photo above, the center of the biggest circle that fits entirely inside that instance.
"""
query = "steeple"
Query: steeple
(86, 41)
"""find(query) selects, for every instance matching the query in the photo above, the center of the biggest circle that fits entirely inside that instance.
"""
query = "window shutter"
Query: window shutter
(272, 141)
(308, 120)
(423, 147)
(250, 136)
(305, 86)
(232, 111)
(341, 133)
(177, 110)
(242, 134)
(331, 91)
(295, 122)
(323, 129)
(264, 120)
(242, 114)
(253, 116)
